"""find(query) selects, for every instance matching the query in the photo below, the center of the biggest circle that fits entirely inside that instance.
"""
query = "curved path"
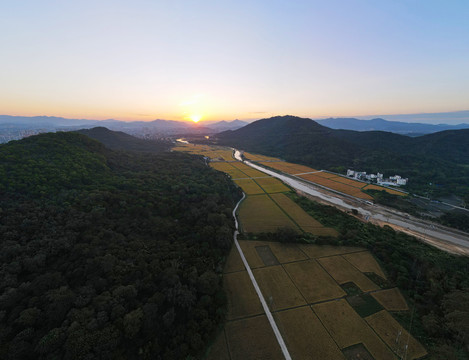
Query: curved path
(279, 337)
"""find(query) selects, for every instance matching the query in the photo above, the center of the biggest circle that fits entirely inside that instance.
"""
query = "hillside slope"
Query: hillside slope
(430, 161)
(109, 255)
(118, 140)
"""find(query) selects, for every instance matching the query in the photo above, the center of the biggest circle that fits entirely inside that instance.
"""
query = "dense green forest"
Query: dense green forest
(436, 164)
(109, 255)
(436, 282)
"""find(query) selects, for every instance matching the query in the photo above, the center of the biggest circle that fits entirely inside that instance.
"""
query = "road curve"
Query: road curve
(425, 230)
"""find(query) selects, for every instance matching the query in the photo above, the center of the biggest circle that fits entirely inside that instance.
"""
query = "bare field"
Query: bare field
(365, 262)
(249, 186)
(242, 298)
(314, 283)
(272, 185)
(348, 328)
(259, 213)
(388, 329)
(391, 299)
(252, 339)
(342, 271)
(278, 290)
(305, 336)
(318, 251)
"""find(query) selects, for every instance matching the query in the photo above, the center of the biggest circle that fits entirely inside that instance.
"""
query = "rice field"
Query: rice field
(272, 185)
(259, 213)
(242, 298)
(391, 299)
(348, 328)
(365, 262)
(343, 272)
(314, 283)
(278, 290)
(338, 186)
(252, 339)
(395, 336)
(258, 158)
(288, 168)
(380, 188)
(301, 217)
(249, 186)
(305, 336)
(319, 251)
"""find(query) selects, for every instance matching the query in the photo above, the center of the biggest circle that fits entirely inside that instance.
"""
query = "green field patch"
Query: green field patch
(260, 214)
(305, 336)
(272, 185)
(314, 283)
(249, 186)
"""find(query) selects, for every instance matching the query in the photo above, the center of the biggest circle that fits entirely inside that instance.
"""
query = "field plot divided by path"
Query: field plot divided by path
(365, 262)
(343, 272)
(348, 328)
(233, 262)
(278, 290)
(272, 185)
(259, 213)
(391, 299)
(314, 283)
(242, 298)
(318, 251)
(305, 336)
(249, 186)
(301, 217)
(389, 330)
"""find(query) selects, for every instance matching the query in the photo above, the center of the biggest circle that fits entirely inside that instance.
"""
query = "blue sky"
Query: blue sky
(232, 59)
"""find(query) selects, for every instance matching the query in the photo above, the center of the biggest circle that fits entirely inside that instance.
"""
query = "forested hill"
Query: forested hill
(439, 159)
(107, 255)
(119, 140)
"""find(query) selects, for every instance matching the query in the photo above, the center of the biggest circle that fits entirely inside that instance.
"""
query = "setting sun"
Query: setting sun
(195, 118)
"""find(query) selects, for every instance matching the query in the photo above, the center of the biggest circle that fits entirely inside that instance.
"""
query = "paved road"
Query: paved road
(423, 229)
(279, 337)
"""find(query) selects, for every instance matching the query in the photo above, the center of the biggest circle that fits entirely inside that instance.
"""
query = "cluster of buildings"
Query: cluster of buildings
(395, 180)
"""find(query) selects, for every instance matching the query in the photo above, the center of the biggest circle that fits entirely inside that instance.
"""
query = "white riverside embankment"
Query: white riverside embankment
(420, 228)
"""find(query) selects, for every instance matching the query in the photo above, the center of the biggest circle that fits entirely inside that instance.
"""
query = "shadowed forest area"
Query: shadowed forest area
(109, 255)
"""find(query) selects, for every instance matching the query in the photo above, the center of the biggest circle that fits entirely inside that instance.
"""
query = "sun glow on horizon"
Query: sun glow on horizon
(195, 117)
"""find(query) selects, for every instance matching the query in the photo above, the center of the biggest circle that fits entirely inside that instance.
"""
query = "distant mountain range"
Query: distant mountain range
(406, 128)
(441, 158)
(155, 127)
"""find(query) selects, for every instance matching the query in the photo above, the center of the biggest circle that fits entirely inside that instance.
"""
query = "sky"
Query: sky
(224, 60)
